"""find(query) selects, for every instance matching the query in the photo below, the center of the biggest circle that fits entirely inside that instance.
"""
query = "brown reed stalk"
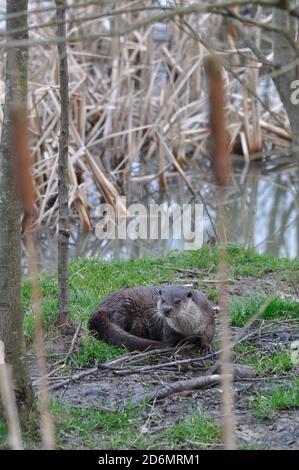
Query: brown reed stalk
(24, 181)
(219, 137)
(231, 29)
(9, 402)
(107, 79)
(221, 167)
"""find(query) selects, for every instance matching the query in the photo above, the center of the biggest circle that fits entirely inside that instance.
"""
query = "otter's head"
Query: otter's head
(173, 301)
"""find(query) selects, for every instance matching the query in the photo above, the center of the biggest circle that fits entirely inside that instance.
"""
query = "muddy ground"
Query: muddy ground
(106, 390)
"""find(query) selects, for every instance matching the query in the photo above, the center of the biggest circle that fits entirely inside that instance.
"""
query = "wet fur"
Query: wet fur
(134, 317)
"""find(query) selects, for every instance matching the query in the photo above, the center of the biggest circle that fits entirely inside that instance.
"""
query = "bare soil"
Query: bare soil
(106, 390)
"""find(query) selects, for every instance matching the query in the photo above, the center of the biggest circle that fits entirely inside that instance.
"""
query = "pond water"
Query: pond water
(261, 204)
(262, 212)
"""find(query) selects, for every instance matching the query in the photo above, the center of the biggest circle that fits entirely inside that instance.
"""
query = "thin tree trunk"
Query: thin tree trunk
(11, 312)
(63, 237)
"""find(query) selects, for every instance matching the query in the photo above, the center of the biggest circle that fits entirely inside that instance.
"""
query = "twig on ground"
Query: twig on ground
(195, 360)
(74, 378)
(108, 366)
(73, 343)
(137, 356)
(239, 373)
(179, 386)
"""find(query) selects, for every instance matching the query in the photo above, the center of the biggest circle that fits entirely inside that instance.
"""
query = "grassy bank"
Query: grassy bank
(91, 280)
(255, 283)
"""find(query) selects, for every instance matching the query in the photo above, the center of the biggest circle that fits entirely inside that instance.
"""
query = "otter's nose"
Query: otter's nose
(167, 310)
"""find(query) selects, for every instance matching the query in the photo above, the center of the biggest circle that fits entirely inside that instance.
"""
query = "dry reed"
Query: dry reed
(221, 167)
(136, 98)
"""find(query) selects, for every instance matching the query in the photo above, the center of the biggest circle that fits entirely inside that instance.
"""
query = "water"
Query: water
(261, 205)
(261, 213)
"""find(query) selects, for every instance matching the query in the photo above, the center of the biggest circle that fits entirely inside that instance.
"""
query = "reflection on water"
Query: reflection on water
(265, 215)
(262, 213)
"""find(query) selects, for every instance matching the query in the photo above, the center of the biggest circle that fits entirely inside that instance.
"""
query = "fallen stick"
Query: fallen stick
(239, 372)
(74, 378)
(108, 365)
(140, 369)
(73, 343)
(195, 272)
(62, 363)
(138, 356)
(194, 360)
(177, 387)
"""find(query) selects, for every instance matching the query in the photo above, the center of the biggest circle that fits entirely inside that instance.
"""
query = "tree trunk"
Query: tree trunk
(63, 182)
(11, 312)
(285, 54)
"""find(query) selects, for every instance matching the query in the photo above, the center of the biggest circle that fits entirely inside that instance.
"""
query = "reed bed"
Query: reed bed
(138, 98)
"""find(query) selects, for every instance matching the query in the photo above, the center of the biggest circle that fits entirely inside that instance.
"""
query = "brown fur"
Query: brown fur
(149, 318)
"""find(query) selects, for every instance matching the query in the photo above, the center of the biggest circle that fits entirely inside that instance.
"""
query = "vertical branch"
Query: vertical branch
(25, 185)
(63, 183)
(221, 168)
(9, 402)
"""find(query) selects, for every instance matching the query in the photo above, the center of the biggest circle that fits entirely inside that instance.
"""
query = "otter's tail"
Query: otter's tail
(105, 329)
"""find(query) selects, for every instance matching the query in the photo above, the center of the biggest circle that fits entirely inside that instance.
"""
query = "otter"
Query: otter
(142, 318)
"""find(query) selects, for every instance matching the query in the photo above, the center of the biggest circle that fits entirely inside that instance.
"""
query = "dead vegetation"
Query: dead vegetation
(136, 98)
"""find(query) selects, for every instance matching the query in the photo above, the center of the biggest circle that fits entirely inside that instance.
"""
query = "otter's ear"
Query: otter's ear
(189, 294)
(160, 292)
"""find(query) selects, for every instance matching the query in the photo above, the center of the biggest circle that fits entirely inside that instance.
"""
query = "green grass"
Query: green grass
(251, 263)
(30, 431)
(213, 294)
(91, 280)
(196, 430)
(241, 310)
(96, 429)
(97, 351)
(86, 428)
(251, 447)
(276, 362)
(3, 433)
(281, 398)
(77, 428)
(280, 309)
(90, 428)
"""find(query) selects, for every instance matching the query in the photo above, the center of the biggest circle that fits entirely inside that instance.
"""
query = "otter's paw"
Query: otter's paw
(205, 350)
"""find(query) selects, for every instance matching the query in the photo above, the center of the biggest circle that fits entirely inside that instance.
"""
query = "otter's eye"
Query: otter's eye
(189, 294)
(160, 292)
